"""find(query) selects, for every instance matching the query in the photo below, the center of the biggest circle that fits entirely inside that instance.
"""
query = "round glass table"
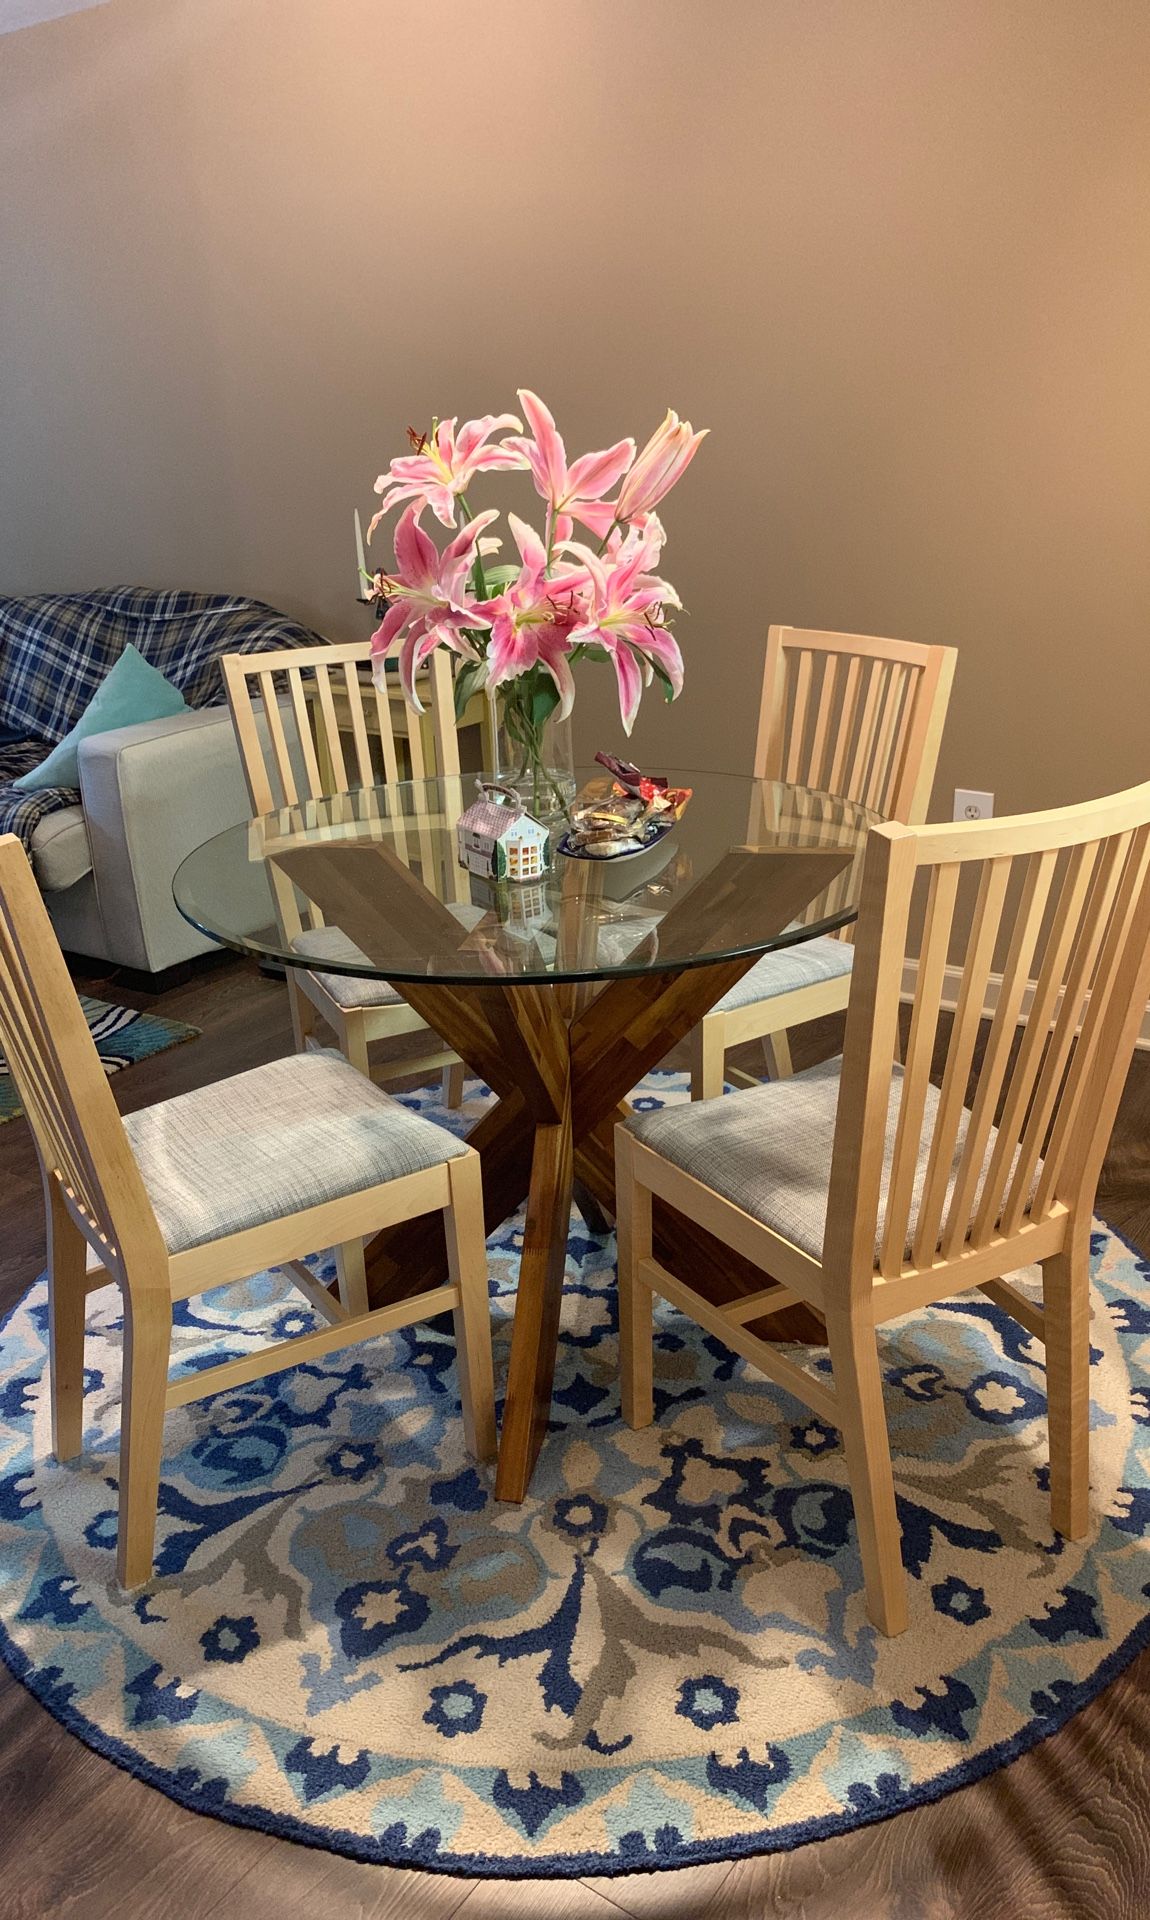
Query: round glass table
(560, 992)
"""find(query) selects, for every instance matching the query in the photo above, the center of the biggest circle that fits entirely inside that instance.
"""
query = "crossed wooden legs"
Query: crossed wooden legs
(561, 1081)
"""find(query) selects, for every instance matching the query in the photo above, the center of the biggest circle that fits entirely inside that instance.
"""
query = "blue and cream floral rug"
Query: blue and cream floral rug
(661, 1657)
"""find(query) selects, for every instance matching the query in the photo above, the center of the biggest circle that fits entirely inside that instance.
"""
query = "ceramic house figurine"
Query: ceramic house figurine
(502, 843)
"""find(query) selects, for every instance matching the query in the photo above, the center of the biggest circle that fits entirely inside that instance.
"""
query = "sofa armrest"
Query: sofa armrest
(151, 794)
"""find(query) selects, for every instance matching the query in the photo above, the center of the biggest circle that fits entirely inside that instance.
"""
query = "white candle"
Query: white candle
(361, 592)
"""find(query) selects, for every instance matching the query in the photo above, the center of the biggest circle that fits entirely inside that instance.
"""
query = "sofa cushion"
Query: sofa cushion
(132, 693)
(60, 851)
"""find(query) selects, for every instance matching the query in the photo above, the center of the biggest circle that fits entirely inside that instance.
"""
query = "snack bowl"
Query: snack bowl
(654, 834)
(623, 873)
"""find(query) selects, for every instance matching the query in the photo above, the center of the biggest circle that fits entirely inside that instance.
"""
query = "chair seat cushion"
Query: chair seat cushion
(803, 965)
(348, 990)
(273, 1142)
(768, 1149)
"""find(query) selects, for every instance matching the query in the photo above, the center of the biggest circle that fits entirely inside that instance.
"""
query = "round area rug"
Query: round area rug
(661, 1657)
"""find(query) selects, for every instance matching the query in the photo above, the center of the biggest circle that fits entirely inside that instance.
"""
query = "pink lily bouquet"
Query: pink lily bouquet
(521, 628)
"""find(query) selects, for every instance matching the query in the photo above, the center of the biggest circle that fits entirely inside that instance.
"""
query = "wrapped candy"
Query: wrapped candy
(623, 814)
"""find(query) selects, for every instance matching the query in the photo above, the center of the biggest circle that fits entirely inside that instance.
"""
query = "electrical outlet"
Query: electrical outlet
(969, 805)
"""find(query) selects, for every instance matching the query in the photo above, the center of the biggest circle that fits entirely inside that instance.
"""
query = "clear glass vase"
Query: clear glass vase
(533, 751)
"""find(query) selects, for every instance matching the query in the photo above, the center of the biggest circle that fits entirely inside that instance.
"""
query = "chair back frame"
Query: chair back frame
(323, 693)
(1076, 974)
(323, 696)
(84, 1154)
(856, 716)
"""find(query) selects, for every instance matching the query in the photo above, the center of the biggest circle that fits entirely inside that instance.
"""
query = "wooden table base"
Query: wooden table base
(562, 1060)
(562, 1090)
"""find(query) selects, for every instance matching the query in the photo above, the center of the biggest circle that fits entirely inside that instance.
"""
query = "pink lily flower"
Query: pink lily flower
(575, 492)
(663, 461)
(444, 464)
(427, 591)
(531, 621)
(625, 614)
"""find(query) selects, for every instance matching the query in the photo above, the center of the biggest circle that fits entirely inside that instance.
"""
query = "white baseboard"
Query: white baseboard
(950, 986)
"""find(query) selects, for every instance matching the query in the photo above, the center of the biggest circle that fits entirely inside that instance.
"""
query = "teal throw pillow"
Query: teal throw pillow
(132, 692)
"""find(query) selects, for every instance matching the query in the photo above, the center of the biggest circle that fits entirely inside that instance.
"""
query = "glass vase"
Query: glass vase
(533, 751)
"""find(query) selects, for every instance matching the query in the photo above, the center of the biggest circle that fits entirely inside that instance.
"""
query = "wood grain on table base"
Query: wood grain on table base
(1063, 1834)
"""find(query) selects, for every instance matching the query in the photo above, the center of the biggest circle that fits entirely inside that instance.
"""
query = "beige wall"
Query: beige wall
(896, 256)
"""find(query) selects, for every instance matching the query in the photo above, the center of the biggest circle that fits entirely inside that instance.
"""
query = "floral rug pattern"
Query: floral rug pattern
(662, 1656)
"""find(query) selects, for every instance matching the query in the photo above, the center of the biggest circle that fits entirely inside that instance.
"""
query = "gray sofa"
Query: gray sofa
(148, 795)
(105, 856)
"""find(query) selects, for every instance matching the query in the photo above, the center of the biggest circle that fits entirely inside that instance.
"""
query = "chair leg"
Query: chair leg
(777, 1050)
(707, 1056)
(866, 1443)
(467, 1266)
(67, 1263)
(353, 1046)
(147, 1341)
(636, 1319)
(453, 1086)
(351, 1277)
(1066, 1296)
(302, 1014)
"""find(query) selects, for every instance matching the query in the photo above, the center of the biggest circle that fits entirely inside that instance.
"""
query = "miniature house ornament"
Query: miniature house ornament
(502, 842)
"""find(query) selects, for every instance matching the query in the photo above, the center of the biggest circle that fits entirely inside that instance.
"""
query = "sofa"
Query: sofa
(105, 854)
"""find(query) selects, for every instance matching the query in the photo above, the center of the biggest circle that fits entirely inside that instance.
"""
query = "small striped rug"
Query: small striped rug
(122, 1035)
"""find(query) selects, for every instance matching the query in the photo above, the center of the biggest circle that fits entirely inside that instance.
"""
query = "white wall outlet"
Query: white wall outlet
(969, 805)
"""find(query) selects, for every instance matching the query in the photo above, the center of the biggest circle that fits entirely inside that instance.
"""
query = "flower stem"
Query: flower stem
(478, 577)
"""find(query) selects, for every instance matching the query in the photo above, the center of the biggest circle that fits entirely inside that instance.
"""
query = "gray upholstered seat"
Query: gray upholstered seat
(791, 967)
(273, 1142)
(348, 990)
(769, 1149)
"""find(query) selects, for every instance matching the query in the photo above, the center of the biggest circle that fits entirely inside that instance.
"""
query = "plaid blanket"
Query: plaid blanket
(57, 648)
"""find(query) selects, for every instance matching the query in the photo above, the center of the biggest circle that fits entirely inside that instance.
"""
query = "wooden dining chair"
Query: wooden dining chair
(847, 715)
(868, 1190)
(209, 1187)
(310, 723)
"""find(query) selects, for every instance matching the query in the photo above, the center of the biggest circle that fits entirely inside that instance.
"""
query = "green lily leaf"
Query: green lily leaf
(662, 676)
(467, 680)
(544, 700)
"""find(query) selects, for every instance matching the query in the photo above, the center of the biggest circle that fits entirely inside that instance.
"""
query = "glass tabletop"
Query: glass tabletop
(371, 884)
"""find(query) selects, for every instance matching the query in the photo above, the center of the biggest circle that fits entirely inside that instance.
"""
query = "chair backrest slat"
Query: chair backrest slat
(823, 737)
(919, 1056)
(1067, 1022)
(1104, 984)
(304, 733)
(993, 881)
(1038, 876)
(855, 716)
(281, 758)
(386, 730)
(332, 739)
(844, 732)
(311, 724)
(796, 742)
(353, 694)
(1017, 1128)
(874, 672)
(61, 1082)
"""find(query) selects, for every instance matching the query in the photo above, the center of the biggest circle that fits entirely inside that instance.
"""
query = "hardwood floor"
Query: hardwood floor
(1063, 1834)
